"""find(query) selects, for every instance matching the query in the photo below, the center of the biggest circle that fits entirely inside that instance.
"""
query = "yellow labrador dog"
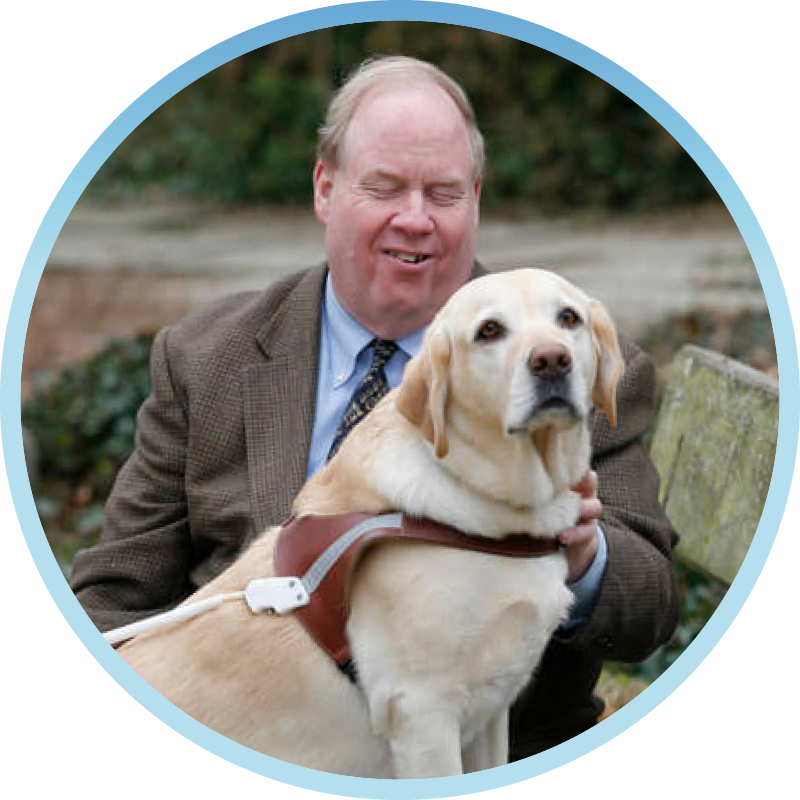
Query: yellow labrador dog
(486, 433)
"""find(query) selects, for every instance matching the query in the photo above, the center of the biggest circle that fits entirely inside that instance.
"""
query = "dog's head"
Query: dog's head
(513, 353)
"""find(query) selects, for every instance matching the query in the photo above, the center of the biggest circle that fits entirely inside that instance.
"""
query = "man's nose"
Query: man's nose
(413, 217)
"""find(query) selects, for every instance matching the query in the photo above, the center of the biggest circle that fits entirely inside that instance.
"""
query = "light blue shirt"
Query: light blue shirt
(344, 359)
(587, 587)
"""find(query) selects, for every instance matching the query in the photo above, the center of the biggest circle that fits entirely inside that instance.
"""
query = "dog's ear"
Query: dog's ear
(610, 364)
(422, 397)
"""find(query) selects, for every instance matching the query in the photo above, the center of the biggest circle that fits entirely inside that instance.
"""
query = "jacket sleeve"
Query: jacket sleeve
(143, 561)
(637, 607)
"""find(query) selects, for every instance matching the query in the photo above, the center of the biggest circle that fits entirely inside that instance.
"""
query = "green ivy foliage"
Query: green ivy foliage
(83, 423)
(558, 137)
(83, 419)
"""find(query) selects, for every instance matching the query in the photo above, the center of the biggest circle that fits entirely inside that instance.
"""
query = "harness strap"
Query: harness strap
(325, 550)
(327, 561)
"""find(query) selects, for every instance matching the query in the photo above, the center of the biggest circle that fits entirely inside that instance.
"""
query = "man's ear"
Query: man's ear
(477, 184)
(476, 190)
(610, 364)
(323, 186)
(422, 396)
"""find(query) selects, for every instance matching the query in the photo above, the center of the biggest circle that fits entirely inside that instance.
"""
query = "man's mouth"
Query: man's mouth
(406, 257)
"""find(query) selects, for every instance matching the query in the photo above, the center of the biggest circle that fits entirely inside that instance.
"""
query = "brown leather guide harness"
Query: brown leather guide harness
(323, 551)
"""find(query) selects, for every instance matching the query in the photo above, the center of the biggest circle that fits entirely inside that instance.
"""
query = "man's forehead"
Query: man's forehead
(393, 175)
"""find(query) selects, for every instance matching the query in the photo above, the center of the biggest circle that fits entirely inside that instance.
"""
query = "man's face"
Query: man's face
(401, 210)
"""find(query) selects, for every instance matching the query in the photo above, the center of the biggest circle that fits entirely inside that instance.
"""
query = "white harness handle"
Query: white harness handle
(275, 595)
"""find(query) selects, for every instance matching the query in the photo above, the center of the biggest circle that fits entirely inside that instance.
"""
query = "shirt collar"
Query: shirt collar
(347, 337)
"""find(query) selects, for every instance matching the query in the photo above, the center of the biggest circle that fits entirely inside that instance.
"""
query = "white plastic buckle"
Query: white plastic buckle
(276, 595)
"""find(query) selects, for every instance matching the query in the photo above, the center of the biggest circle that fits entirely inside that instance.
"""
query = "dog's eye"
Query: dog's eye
(569, 318)
(489, 331)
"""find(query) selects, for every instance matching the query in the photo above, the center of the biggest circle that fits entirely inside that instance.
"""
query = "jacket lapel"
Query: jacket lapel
(279, 394)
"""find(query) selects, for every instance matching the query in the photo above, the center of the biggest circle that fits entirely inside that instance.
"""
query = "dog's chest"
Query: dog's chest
(469, 624)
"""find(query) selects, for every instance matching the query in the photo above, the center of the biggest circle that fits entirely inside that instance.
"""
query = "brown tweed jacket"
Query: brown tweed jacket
(221, 451)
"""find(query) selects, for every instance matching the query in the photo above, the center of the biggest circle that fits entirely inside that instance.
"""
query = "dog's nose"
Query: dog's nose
(550, 361)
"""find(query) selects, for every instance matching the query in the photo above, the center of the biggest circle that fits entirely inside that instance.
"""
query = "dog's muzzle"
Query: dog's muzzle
(553, 397)
(550, 367)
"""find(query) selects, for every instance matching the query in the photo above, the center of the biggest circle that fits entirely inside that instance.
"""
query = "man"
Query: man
(248, 395)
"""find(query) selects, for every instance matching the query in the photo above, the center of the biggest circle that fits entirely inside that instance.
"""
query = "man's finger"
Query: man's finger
(578, 534)
(589, 510)
(587, 485)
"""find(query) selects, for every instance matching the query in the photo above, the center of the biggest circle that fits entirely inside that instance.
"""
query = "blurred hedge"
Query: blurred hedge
(558, 137)
(82, 421)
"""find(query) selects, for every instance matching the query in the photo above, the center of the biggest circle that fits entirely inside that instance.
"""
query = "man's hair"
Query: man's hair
(377, 74)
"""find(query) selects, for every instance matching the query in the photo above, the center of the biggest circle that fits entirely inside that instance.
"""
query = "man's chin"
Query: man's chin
(403, 312)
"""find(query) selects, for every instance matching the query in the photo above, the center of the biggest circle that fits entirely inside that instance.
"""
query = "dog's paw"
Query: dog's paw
(557, 515)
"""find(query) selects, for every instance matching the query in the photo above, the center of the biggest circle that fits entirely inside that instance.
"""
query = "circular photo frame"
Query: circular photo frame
(398, 10)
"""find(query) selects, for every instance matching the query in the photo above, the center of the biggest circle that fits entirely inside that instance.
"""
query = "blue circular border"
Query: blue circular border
(10, 383)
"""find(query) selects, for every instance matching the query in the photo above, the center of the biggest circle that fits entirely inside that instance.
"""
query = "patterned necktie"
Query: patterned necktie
(373, 387)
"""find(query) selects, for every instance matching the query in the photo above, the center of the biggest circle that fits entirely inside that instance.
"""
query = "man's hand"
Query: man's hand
(581, 541)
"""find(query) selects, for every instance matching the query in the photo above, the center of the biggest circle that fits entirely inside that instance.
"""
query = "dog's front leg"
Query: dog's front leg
(425, 740)
(498, 740)
(489, 749)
